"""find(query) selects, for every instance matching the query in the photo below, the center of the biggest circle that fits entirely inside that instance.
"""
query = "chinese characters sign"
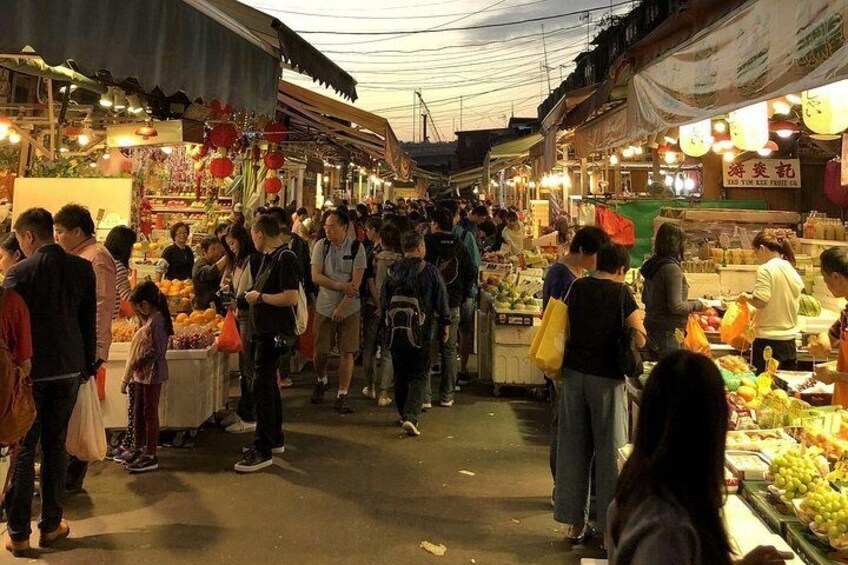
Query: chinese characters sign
(763, 173)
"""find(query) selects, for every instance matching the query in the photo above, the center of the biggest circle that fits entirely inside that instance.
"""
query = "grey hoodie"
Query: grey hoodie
(659, 532)
(666, 296)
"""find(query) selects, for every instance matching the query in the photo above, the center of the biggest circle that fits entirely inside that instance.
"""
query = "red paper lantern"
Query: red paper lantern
(223, 135)
(274, 160)
(276, 133)
(221, 167)
(273, 185)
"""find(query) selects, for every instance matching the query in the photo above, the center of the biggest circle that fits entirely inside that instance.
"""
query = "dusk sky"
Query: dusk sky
(494, 69)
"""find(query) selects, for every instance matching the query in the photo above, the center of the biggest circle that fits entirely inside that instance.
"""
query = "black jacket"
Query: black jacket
(443, 246)
(304, 259)
(431, 288)
(60, 291)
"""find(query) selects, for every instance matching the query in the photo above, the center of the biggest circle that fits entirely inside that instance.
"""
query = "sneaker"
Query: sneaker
(128, 456)
(229, 420)
(318, 393)
(17, 548)
(60, 533)
(342, 407)
(463, 379)
(426, 405)
(286, 383)
(144, 464)
(278, 450)
(457, 388)
(399, 422)
(411, 429)
(384, 400)
(446, 403)
(241, 427)
(368, 392)
(114, 452)
(253, 461)
(436, 369)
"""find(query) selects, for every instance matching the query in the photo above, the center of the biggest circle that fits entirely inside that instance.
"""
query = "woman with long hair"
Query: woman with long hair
(667, 507)
(666, 292)
(776, 296)
(239, 279)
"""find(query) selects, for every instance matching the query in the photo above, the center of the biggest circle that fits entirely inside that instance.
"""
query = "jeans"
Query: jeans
(147, 416)
(54, 402)
(663, 343)
(592, 424)
(784, 351)
(410, 383)
(266, 392)
(553, 392)
(246, 409)
(371, 321)
(447, 352)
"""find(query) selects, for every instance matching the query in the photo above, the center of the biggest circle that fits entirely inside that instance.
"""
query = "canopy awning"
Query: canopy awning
(369, 132)
(294, 50)
(209, 49)
(605, 132)
(515, 147)
(738, 61)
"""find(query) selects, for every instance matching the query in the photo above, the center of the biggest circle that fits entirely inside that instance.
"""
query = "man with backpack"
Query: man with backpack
(414, 302)
(273, 312)
(450, 256)
(468, 310)
(338, 266)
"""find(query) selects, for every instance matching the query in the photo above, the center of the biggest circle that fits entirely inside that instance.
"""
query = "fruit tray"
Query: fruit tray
(746, 465)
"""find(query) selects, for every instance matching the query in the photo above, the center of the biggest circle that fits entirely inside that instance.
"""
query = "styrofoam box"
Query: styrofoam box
(514, 335)
(510, 366)
(188, 398)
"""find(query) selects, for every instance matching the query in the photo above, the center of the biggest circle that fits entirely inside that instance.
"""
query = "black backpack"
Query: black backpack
(448, 264)
(405, 316)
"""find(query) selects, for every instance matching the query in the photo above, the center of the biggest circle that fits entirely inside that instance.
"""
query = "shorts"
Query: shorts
(346, 333)
(467, 313)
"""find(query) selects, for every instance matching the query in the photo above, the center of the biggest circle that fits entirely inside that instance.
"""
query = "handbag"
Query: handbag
(629, 359)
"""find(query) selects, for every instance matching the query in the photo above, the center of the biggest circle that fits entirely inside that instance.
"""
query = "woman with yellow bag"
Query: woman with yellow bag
(592, 422)
(834, 268)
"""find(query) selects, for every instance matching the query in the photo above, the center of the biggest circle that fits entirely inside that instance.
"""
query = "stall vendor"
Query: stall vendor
(177, 259)
(834, 268)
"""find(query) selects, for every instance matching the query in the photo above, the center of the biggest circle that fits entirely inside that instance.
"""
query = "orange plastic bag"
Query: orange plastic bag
(229, 341)
(696, 340)
(735, 328)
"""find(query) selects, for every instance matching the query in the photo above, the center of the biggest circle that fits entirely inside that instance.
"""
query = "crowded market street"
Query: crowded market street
(351, 491)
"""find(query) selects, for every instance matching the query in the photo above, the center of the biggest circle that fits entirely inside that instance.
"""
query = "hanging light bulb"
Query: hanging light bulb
(83, 139)
(784, 133)
(120, 100)
(768, 149)
(720, 126)
(670, 157)
(134, 105)
(106, 156)
(628, 152)
(638, 150)
(793, 99)
(107, 99)
(14, 138)
(613, 160)
(729, 156)
(781, 107)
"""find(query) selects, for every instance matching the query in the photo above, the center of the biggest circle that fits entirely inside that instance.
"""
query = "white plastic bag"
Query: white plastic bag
(86, 435)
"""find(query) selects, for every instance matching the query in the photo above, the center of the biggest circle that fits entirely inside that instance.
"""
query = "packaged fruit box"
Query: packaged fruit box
(746, 465)
(759, 440)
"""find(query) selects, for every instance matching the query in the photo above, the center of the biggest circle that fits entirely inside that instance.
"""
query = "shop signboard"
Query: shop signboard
(763, 173)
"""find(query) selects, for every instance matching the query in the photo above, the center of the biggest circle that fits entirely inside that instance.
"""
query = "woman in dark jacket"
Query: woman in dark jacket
(666, 292)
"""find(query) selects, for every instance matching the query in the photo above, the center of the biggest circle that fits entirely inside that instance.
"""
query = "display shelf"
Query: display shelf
(810, 549)
(177, 197)
(756, 495)
(824, 242)
(179, 210)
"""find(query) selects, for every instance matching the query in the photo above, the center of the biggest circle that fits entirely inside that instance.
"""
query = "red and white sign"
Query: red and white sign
(763, 173)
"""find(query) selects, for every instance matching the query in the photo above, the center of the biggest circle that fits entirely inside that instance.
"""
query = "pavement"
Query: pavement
(350, 489)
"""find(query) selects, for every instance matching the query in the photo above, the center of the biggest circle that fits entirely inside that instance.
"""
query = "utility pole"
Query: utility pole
(414, 116)
(545, 50)
(460, 112)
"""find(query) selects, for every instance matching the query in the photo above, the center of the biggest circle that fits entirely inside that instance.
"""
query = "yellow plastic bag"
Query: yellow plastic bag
(696, 340)
(537, 339)
(736, 330)
(549, 355)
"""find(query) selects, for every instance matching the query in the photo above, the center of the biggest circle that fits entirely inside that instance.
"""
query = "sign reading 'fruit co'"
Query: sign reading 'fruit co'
(763, 173)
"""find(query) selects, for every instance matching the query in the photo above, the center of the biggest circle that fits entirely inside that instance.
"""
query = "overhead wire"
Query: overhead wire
(409, 17)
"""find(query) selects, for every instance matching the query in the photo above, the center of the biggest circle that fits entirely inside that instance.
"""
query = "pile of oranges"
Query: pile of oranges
(179, 293)
(207, 319)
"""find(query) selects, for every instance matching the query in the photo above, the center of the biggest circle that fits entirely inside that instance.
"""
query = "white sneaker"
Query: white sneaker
(230, 420)
(426, 405)
(385, 400)
(446, 403)
(286, 382)
(411, 429)
(241, 427)
(368, 392)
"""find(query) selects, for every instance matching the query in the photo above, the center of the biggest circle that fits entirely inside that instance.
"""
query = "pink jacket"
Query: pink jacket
(104, 272)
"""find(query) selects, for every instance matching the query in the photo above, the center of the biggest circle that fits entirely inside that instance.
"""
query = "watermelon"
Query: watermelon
(809, 306)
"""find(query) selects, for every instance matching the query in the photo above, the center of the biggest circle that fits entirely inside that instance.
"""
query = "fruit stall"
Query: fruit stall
(198, 376)
(787, 456)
